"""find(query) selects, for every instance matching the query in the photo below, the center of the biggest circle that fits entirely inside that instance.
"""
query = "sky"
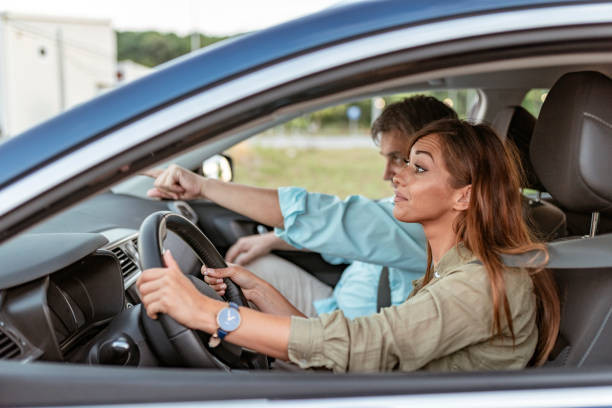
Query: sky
(213, 17)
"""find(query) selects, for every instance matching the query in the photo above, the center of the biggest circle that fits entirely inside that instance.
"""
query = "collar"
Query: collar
(457, 255)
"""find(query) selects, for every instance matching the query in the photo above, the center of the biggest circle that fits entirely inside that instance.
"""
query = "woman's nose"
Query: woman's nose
(401, 176)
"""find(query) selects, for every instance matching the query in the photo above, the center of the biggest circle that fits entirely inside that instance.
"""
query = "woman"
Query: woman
(469, 312)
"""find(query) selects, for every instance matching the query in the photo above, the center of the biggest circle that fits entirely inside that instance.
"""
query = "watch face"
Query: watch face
(228, 319)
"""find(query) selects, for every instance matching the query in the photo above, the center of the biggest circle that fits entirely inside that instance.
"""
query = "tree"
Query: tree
(152, 48)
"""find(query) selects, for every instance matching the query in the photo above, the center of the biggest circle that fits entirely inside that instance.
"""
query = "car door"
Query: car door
(426, 49)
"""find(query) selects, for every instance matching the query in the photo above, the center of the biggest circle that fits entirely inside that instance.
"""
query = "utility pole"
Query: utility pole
(378, 104)
(195, 41)
(60, 68)
(195, 36)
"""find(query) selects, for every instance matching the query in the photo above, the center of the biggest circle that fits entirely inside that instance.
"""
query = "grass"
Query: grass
(339, 172)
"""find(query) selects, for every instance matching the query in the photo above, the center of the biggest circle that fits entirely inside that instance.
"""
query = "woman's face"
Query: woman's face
(423, 192)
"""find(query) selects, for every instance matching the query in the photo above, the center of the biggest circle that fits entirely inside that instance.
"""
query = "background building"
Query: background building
(48, 64)
(128, 70)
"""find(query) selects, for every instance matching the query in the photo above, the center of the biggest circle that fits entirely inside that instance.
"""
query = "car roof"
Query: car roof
(194, 72)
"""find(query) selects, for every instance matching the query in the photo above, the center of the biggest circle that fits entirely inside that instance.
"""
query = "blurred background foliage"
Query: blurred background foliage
(533, 101)
(339, 172)
(151, 48)
(350, 170)
(342, 172)
(334, 120)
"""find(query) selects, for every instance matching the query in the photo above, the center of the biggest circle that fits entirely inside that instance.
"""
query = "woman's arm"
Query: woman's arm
(265, 333)
(443, 318)
(167, 290)
(261, 293)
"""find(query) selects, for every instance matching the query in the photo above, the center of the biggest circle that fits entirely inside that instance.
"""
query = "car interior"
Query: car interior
(68, 293)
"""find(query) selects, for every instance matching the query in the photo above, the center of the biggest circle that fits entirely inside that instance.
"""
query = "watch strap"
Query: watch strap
(221, 333)
(215, 338)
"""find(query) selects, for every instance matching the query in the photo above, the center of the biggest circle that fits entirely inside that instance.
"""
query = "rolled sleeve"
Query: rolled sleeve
(320, 342)
(306, 342)
(292, 202)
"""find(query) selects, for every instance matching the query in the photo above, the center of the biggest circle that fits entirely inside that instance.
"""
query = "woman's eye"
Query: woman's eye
(419, 169)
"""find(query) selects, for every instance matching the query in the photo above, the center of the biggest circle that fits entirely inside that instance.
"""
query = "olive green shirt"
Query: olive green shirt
(447, 325)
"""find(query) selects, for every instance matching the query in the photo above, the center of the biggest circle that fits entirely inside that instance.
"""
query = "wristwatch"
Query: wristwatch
(228, 320)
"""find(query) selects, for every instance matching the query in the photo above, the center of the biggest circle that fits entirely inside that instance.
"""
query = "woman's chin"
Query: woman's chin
(400, 212)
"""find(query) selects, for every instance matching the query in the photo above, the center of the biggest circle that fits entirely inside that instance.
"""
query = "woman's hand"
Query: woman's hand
(168, 290)
(176, 183)
(247, 280)
(261, 293)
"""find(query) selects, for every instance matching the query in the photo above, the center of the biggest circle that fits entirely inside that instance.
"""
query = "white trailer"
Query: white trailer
(48, 64)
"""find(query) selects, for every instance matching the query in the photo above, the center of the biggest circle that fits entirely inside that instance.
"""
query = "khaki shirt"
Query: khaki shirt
(445, 326)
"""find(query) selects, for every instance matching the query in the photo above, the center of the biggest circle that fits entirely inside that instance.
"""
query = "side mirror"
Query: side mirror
(218, 167)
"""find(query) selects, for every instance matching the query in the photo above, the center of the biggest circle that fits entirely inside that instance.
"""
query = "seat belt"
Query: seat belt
(576, 253)
(384, 290)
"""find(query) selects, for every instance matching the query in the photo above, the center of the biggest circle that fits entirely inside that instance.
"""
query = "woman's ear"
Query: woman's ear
(463, 198)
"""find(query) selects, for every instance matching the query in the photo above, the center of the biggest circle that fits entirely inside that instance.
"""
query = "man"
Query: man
(358, 230)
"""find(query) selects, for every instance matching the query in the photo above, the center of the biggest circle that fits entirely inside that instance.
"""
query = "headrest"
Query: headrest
(571, 148)
(516, 124)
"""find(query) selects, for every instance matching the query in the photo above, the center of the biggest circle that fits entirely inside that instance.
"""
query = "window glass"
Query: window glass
(330, 150)
(533, 101)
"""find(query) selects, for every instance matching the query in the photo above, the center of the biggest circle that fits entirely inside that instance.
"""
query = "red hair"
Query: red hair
(494, 224)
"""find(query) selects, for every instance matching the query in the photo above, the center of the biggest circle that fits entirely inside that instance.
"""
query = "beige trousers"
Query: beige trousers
(294, 283)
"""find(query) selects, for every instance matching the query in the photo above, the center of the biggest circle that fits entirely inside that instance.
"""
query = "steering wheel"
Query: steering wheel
(175, 344)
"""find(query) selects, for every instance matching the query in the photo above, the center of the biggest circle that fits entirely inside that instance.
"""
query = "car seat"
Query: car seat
(570, 152)
(547, 221)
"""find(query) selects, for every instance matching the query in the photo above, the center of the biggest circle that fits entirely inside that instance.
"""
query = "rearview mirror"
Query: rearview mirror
(218, 167)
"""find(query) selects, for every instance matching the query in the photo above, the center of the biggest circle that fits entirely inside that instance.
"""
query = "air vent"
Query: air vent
(8, 347)
(127, 264)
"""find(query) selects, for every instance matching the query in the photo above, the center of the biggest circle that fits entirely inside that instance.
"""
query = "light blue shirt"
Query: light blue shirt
(359, 231)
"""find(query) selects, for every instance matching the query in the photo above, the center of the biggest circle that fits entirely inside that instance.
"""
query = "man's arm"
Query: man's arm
(357, 228)
(177, 183)
(259, 204)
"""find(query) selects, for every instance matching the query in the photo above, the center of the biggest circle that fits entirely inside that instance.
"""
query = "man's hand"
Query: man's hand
(176, 183)
(251, 247)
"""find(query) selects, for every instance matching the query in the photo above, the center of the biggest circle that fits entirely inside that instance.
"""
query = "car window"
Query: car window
(533, 101)
(330, 150)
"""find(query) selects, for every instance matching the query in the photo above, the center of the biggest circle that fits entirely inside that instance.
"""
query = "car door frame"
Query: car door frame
(59, 384)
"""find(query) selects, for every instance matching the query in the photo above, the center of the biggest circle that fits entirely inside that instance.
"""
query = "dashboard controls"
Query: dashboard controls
(120, 350)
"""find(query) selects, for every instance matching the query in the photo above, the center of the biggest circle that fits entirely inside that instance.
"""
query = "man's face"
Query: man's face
(393, 149)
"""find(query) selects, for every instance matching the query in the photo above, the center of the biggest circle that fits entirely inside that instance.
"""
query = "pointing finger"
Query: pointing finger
(154, 173)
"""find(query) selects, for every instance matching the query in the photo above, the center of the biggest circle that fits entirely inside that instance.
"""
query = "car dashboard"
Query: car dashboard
(67, 291)
(67, 286)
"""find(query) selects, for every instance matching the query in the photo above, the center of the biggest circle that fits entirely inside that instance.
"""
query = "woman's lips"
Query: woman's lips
(398, 197)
